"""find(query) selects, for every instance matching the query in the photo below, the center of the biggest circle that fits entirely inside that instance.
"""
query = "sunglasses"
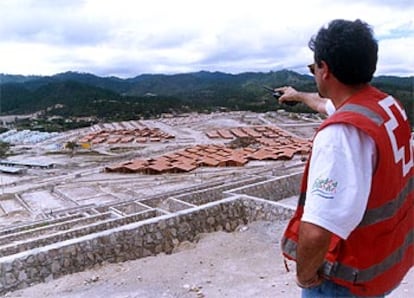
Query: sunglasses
(312, 68)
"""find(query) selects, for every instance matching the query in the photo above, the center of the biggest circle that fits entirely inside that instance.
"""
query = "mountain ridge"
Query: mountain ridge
(149, 95)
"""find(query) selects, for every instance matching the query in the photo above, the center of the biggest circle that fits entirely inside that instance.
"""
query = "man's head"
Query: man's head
(349, 49)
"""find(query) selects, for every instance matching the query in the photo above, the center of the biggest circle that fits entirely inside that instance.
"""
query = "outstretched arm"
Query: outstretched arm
(312, 100)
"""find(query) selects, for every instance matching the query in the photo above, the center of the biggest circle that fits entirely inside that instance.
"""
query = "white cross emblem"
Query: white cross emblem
(391, 125)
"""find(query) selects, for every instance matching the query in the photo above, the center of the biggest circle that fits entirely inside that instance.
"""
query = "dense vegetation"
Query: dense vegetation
(68, 96)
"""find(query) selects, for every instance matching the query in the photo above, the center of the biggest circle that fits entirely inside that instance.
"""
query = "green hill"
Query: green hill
(73, 94)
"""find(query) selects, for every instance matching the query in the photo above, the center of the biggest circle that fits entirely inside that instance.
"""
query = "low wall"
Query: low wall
(42, 223)
(273, 189)
(74, 233)
(51, 228)
(215, 193)
(130, 241)
(258, 209)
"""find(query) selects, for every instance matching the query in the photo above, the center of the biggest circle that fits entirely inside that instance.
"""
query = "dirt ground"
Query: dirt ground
(242, 264)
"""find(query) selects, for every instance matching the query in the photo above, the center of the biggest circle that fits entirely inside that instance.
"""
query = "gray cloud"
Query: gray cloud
(56, 22)
(404, 4)
(55, 29)
(126, 37)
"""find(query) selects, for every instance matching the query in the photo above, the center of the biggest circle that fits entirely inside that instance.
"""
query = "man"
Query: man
(352, 234)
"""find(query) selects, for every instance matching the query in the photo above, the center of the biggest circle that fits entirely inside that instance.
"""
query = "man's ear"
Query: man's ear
(325, 71)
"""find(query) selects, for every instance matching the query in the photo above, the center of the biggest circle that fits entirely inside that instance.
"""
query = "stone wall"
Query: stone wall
(128, 208)
(45, 240)
(215, 193)
(273, 189)
(77, 251)
(39, 224)
(258, 209)
(49, 228)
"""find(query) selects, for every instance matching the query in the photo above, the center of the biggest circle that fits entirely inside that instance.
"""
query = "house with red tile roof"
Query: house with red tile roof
(208, 162)
(135, 166)
(225, 134)
(238, 132)
(251, 132)
(158, 168)
(179, 167)
(213, 134)
(235, 161)
(278, 145)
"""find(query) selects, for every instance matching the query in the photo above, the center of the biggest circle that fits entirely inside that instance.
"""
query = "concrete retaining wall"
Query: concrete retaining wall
(51, 228)
(273, 189)
(78, 250)
(74, 233)
(215, 193)
(38, 224)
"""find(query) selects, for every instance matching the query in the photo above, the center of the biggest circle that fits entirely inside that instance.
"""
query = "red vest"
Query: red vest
(380, 251)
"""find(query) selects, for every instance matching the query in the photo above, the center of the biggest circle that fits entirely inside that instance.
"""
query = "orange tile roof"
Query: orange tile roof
(213, 134)
(98, 140)
(251, 132)
(127, 135)
(249, 150)
(278, 145)
(210, 150)
(183, 166)
(235, 161)
(263, 154)
(286, 154)
(141, 140)
(225, 134)
(183, 159)
(135, 167)
(190, 155)
(238, 132)
(158, 167)
(127, 139)
(261, 128)
(155, 139)
(209, 162)
(113, 140)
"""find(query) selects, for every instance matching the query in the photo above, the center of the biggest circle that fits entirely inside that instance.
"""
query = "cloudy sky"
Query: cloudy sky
(126, 38)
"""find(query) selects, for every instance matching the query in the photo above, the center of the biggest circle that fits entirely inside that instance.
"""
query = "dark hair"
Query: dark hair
(348, 48)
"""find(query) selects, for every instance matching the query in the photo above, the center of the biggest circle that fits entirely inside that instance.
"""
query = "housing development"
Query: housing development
(116, 192)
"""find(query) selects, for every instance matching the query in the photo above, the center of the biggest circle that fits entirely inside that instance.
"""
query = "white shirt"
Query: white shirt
(330, 108)
(339, 182)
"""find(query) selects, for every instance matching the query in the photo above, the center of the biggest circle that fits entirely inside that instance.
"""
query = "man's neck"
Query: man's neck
(342, 92)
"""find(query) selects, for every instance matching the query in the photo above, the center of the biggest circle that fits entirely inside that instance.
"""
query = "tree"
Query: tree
(4, 148)
(71, 145)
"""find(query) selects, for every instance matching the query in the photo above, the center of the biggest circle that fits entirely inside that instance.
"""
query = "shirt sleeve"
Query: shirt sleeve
(329, 107)
(339, 181)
